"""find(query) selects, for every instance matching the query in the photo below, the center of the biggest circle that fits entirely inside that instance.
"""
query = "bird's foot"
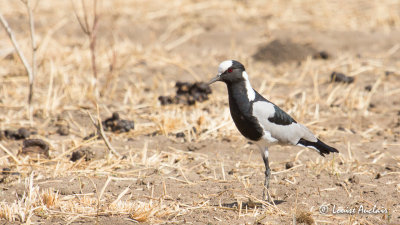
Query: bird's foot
(267, 196)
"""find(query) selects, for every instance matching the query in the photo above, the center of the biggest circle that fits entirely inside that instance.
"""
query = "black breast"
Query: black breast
(241, 112)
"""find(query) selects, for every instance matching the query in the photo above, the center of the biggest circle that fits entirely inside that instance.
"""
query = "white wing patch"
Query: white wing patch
(251, 94)
(224, 66)
(289, 134)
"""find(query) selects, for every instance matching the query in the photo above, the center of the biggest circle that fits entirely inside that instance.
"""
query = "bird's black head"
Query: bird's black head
(230, 71)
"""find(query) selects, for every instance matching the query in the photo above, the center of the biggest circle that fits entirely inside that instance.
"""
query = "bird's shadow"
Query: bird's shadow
(249, 204)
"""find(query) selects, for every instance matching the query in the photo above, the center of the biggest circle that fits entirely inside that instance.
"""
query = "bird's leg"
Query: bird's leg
(267, 174)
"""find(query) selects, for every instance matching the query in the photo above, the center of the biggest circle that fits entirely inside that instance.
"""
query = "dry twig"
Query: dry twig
(28, 68)
(90, 30)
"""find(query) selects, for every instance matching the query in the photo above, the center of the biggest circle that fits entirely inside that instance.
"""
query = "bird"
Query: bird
(261, 121)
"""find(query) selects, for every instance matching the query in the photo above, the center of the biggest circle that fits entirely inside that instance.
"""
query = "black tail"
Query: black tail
(320, 146)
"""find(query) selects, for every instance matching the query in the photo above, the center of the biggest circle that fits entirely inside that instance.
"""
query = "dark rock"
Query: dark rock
(378, 175)
(341, 78)
(321, 55)
(180, 135)
(368, 88)
(289, 165)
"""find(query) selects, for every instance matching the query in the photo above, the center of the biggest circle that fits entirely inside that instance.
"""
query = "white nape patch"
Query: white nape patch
(251, 94)
(284, 134)
(224, 66)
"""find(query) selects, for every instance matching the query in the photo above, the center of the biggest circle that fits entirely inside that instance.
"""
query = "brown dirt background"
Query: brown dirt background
(212, 176)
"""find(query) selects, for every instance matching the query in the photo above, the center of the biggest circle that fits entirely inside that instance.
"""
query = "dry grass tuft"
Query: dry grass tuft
(304, 218)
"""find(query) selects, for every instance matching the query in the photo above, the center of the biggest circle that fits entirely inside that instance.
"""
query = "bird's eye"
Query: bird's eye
(230, 70)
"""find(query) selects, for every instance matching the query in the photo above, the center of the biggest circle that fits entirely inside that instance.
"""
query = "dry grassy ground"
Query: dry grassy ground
(212, 175)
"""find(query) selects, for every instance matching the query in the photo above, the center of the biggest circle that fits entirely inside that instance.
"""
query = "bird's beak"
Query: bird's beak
(215, 79)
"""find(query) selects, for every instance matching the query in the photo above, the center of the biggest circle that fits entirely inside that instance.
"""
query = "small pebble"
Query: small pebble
(341, 78)
(354, 179)
(87, 152)
(289, 165)
(23, 133)
(321, 55)
(63, 130)
(180, 135)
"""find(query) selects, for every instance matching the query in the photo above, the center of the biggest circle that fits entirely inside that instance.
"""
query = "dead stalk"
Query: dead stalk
(90, 31)
(20, 54)
(34, 49)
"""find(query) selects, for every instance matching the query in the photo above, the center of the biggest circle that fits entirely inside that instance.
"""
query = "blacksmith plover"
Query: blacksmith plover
(260, 120)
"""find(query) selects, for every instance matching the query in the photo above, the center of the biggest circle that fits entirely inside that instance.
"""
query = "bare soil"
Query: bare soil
(188, 163)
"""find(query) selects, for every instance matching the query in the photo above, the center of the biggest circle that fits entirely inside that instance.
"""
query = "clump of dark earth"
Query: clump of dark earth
(341, 78)
(281, 51)
(116, 124)
(187, 94)
(34, 147)
(321, 55)
(21, 133)
(83, 152)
